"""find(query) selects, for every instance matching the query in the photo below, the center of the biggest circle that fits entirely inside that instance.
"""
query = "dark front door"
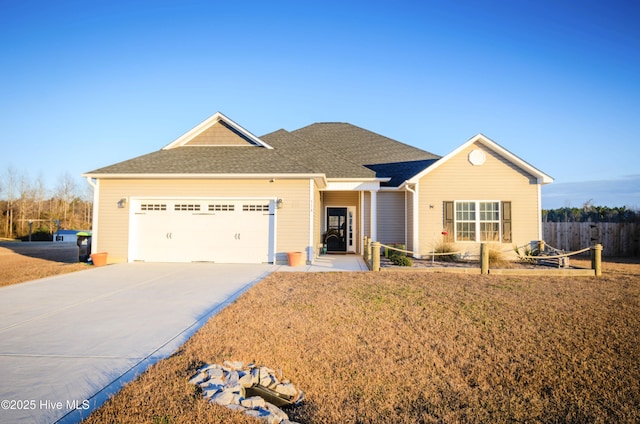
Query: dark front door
(336, 237)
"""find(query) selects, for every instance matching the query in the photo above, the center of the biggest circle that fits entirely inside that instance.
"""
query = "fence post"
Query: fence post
(484, 258)
(596, 259)
(375, 251)
(541, 246)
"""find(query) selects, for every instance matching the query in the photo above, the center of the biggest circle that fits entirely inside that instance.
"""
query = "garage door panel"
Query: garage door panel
(153, 235)
(212, 230)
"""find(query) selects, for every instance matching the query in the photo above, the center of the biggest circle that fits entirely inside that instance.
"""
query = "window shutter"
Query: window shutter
(448, 214)
(506, 222)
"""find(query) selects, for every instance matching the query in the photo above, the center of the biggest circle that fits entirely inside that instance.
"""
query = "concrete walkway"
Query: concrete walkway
(330, 263)
(69, 342)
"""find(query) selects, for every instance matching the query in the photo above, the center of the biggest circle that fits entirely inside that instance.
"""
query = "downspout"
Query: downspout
(94, 215)
(311, 248)
(415, 245)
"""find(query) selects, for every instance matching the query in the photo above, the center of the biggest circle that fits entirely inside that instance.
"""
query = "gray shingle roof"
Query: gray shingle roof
(359, 145)
(208, 160)
(338, 150)
(399, 172)
(315, 156)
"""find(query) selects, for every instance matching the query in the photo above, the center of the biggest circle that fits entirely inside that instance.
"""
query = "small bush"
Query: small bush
(496, 256)
(401, 260)
(524, 256)
(444, 247)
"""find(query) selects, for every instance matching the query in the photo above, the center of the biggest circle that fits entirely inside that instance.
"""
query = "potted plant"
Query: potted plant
(333, 233)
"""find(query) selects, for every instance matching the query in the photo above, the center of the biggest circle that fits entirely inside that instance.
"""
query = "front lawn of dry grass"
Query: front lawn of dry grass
(17, 268)
(410, 347)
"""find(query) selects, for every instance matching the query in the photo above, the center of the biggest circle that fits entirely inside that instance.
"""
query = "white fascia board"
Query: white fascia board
(541, 176)
(209, 122)
(382, 180)
(141, 176)
(353, 185)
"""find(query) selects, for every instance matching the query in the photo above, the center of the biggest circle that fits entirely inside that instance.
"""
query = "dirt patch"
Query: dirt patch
(412, 347)
(20, 262)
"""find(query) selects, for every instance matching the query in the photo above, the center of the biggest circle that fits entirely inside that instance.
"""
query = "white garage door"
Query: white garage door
(196, 230)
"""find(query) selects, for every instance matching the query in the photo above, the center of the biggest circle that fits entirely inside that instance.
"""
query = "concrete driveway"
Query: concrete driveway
(70, 341)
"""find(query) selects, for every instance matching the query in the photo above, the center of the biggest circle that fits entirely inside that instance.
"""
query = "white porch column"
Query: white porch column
(374, 215)
(361, 228)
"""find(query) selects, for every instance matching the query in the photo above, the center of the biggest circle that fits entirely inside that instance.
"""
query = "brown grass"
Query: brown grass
(411, 347)
(16, 268)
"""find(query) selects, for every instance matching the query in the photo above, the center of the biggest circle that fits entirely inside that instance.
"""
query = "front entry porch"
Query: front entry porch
(348, 212)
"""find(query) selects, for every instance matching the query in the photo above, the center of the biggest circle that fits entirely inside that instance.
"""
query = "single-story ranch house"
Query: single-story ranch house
(220, 194)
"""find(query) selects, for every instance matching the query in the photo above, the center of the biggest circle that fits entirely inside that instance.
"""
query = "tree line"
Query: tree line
(590, 213)
(30, 205)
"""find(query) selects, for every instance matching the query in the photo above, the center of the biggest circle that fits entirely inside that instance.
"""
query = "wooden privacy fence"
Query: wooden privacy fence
(617, 238)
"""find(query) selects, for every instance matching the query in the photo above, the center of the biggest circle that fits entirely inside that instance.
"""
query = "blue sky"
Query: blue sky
(87, 84)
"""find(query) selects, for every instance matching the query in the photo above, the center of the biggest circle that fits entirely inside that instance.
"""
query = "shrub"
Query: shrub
(444, 247)
(496, 256)
(401, 259)
(524, 256)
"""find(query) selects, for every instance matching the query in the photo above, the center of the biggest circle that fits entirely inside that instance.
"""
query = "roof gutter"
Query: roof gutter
(320, 179)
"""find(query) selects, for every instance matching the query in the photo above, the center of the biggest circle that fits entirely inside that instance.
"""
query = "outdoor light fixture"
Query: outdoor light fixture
(122, 202)
(279, 203)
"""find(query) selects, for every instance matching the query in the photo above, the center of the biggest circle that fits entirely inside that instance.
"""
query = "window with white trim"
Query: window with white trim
(477, 221)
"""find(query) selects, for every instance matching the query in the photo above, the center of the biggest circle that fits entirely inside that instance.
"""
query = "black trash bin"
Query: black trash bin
(84, 246)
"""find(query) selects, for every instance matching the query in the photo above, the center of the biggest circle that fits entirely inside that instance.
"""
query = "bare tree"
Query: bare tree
(25, 200)
(11, 182)
(87, 198)
(40, 192)
(66, 191)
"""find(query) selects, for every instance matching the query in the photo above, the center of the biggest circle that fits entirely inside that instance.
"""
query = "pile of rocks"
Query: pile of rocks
(229, 384)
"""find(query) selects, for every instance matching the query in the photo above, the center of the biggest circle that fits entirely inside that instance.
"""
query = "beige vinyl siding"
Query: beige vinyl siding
(495, 180)
(340, 198)
(410, 221)
(292, 223)
(366, 225)
(218, 135)
(391, 217)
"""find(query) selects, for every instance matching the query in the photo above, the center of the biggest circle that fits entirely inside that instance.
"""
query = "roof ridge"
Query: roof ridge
(318, 148)
(370, 136)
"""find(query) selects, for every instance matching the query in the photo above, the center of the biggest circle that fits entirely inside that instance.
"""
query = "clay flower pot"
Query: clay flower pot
(99, 259)
(295, 258)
